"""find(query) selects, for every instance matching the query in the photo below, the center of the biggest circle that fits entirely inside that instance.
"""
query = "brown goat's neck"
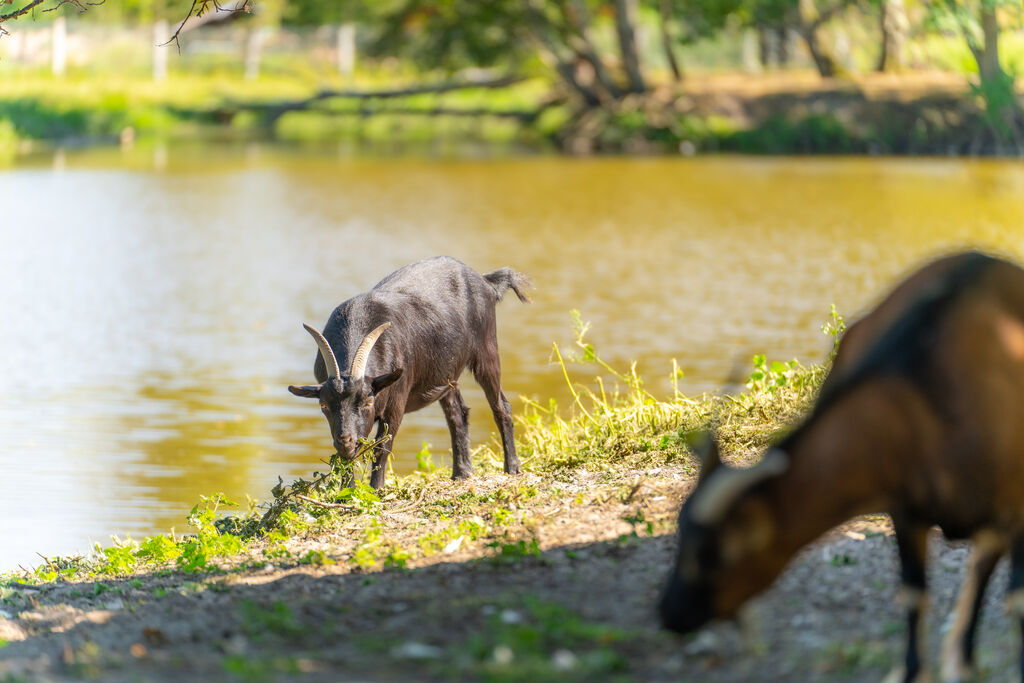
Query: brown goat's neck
(848, 462)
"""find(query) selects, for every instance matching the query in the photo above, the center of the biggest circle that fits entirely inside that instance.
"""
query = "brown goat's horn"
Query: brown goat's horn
(363, 352)
(721, 491)
(326, 352)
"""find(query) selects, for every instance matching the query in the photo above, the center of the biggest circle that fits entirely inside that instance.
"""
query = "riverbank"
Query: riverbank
(549, 575)
(933, 113)
(560, 584)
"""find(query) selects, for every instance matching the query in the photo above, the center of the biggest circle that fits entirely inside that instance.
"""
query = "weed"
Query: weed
(639, 520)
(512, 552)
(276, 618)
(424, 461)
(208, 543)
(317, 558)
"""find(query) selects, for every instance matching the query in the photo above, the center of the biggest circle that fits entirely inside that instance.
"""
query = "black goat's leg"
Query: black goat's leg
(488, 373)
(912, 542)
(456, 412)
(958, 645)
(388, 426)
(1015, 591)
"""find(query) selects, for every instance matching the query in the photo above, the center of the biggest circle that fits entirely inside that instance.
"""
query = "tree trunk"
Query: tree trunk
(666, 39)
(893, 25)
(782, 46)
(824, 61)
(625, 25)
(988, 59)
(576, 15)
(764, 45)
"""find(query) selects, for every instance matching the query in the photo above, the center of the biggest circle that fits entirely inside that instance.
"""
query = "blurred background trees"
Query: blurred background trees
(593, 54)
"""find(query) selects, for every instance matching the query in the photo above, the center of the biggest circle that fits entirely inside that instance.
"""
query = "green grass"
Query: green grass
(40, 107)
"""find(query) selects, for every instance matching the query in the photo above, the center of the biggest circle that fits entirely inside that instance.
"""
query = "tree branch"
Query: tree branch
(17, 13)
(201, 8)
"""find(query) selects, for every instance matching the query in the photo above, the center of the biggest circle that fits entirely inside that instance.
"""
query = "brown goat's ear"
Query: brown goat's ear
(705, 445)
(305, 392)
(382, 381)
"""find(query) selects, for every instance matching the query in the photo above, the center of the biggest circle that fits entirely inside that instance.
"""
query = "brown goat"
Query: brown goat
(921, 416)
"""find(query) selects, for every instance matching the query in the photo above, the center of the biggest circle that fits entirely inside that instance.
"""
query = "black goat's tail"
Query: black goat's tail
(504, 279)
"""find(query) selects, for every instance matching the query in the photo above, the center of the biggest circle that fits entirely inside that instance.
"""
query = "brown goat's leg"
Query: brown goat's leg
(1015, 591)
(912, 542)
(388, 425)
(456, 412)
(488, 374)
(958, 645)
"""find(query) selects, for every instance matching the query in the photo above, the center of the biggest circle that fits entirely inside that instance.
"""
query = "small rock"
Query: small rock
(453, 545)
(705, 643)
(114, 605)
(510, 616)
(236, 645)
(855, 535)
(399, 607)
(414, 650)
(503, 655)
(563, 660)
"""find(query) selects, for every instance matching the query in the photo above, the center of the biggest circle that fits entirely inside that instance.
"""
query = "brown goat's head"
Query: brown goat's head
(347, 399)
(727, 534)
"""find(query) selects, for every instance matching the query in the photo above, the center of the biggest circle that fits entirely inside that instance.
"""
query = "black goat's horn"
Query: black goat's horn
(326, 352)
(363, 352)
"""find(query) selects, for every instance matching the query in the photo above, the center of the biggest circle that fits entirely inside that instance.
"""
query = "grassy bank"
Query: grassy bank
(492, 558)
(548, 576)
(782, 114)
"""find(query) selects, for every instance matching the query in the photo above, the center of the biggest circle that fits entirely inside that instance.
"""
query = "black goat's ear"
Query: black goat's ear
(381, 381)
(305, 392)
(705, 445)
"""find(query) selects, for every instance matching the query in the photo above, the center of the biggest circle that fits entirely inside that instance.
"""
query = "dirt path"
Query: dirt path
(578, 605)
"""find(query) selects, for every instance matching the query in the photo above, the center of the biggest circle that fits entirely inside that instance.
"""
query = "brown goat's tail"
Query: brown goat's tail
(505, 278)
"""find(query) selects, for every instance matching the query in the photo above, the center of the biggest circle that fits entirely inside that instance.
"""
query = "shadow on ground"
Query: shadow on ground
(582, 612)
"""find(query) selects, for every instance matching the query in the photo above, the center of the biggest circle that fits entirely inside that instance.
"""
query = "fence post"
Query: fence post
(253, 45)
(160, 50)
(59, 47)
(346, 49)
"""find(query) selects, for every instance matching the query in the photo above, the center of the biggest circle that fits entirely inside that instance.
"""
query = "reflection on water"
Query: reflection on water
(152, 303)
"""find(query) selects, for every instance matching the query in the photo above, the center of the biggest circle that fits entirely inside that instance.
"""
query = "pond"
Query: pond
(152, 299)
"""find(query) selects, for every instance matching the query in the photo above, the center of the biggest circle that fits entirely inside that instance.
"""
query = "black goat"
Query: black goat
(441, 315)
(921, 416)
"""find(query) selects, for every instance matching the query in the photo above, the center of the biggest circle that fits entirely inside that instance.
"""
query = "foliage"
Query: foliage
(625, 425)
(276, 619)
(834, 327)
(424, 462)
(208, 543)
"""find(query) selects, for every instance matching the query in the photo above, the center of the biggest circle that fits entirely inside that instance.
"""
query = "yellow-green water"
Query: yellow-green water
(152, 301)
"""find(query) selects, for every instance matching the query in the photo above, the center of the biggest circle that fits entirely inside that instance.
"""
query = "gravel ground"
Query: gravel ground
(581, 609)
